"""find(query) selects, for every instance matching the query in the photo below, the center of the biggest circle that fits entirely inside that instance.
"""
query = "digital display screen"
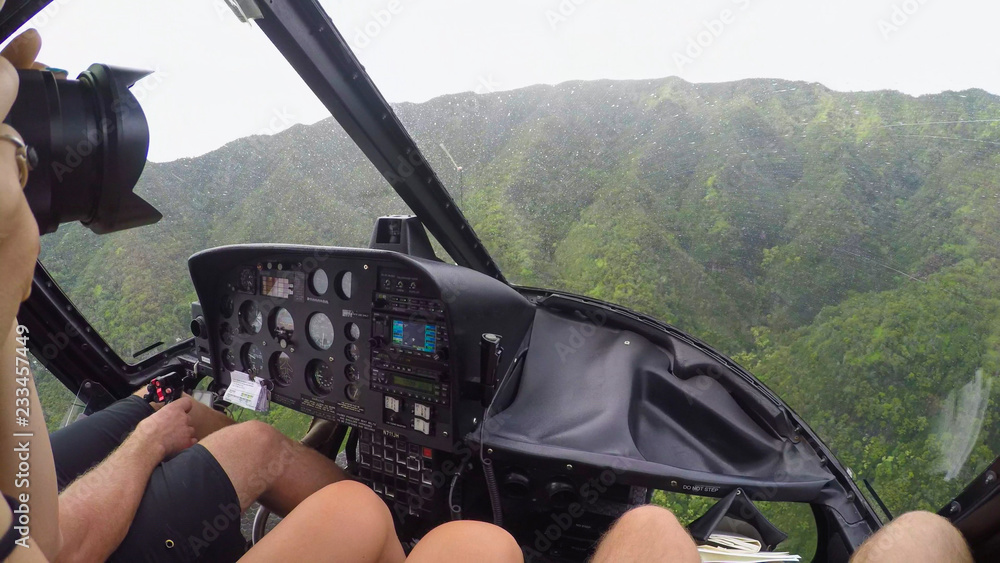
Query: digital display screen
(425, 386)
(271, 286)
(414, 335)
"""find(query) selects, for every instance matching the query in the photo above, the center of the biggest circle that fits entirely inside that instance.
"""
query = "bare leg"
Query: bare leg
(467, 540)
(915, 537)
(264, 465)
(343, 522)
(647, 533)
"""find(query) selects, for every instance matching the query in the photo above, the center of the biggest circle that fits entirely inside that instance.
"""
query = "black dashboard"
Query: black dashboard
(372, 339)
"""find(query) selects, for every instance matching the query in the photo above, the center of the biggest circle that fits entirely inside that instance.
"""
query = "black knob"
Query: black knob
(376, 341)
(561, 494)
(516, 485)
(442, 353)
(198, 327)
(380, 303)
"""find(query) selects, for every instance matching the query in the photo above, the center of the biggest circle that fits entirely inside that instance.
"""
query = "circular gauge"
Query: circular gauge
(351, 372)
(228, 359)
(319, 282)
(344, 284)
(251, 320)
(226, 333)
(248, 281)
(351, 350)
(352, 392)
(227, 306)
(320, 377)
(281, 368)
(253, 359)
(320, 331)
(352, 331)
(281, 323)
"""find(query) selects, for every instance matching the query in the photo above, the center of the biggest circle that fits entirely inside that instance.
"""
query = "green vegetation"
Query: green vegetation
(843, 247)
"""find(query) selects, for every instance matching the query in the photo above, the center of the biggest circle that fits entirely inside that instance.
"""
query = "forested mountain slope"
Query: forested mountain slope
(844, 246)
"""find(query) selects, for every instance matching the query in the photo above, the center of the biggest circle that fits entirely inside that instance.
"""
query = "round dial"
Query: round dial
(251, 319)
(226, 333)
(351, 372)
(253, 359)
(281, 368)
(248, 281)
(320, 331)
(344, 285)
(351, 350)
(227, 306)
(352, 331)
(319, 282)
(228, 359)
(282, 324)
(320, 376)
(352, 392)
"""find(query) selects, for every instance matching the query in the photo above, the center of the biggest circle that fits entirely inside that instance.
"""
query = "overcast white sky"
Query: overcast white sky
(219, 80)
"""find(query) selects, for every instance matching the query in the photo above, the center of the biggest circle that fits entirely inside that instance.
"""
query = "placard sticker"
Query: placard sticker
(247, 393)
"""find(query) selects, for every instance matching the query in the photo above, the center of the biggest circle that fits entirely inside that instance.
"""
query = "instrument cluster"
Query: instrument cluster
(263, 337)
(358, 337)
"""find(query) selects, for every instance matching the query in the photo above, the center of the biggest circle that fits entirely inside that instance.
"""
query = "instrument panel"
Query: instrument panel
(373, 339)
(360, 342)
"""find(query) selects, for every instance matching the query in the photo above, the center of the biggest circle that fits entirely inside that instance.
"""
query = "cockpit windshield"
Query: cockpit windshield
(810, 188)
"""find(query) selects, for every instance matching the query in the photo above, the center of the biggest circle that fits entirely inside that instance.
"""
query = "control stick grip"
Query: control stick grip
(489, 359)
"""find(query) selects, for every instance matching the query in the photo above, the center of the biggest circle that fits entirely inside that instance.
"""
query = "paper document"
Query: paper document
(733, 548)
(247, 393)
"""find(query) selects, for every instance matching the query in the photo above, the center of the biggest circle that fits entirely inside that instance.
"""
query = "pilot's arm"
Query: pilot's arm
(96, 510)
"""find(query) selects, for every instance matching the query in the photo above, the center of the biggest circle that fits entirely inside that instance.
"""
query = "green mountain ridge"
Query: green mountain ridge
(770, 218)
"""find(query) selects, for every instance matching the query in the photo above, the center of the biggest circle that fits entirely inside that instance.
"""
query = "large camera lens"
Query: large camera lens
(89, 140)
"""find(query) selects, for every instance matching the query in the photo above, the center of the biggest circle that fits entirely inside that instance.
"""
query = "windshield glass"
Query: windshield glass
(231, 160)
(809, 187)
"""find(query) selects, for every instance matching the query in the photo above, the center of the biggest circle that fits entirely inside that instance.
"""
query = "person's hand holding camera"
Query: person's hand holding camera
(18, 230)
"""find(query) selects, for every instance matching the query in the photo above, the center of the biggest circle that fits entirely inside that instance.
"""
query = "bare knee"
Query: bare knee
(651, 516)
(927, 522)
(467, 540)
(253, 455)
(499, 540)
(925, 533)
(647, 533)
(253, 432)
(364, 508)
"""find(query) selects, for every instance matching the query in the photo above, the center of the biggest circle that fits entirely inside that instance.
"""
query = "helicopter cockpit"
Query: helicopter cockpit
(453, 393)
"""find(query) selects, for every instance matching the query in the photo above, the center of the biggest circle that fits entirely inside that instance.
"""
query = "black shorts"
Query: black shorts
(190, 510)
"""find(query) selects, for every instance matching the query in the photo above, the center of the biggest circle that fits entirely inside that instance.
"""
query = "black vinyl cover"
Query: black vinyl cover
(594, 394)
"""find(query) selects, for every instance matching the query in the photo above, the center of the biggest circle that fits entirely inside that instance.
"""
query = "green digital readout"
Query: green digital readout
(425, 386)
